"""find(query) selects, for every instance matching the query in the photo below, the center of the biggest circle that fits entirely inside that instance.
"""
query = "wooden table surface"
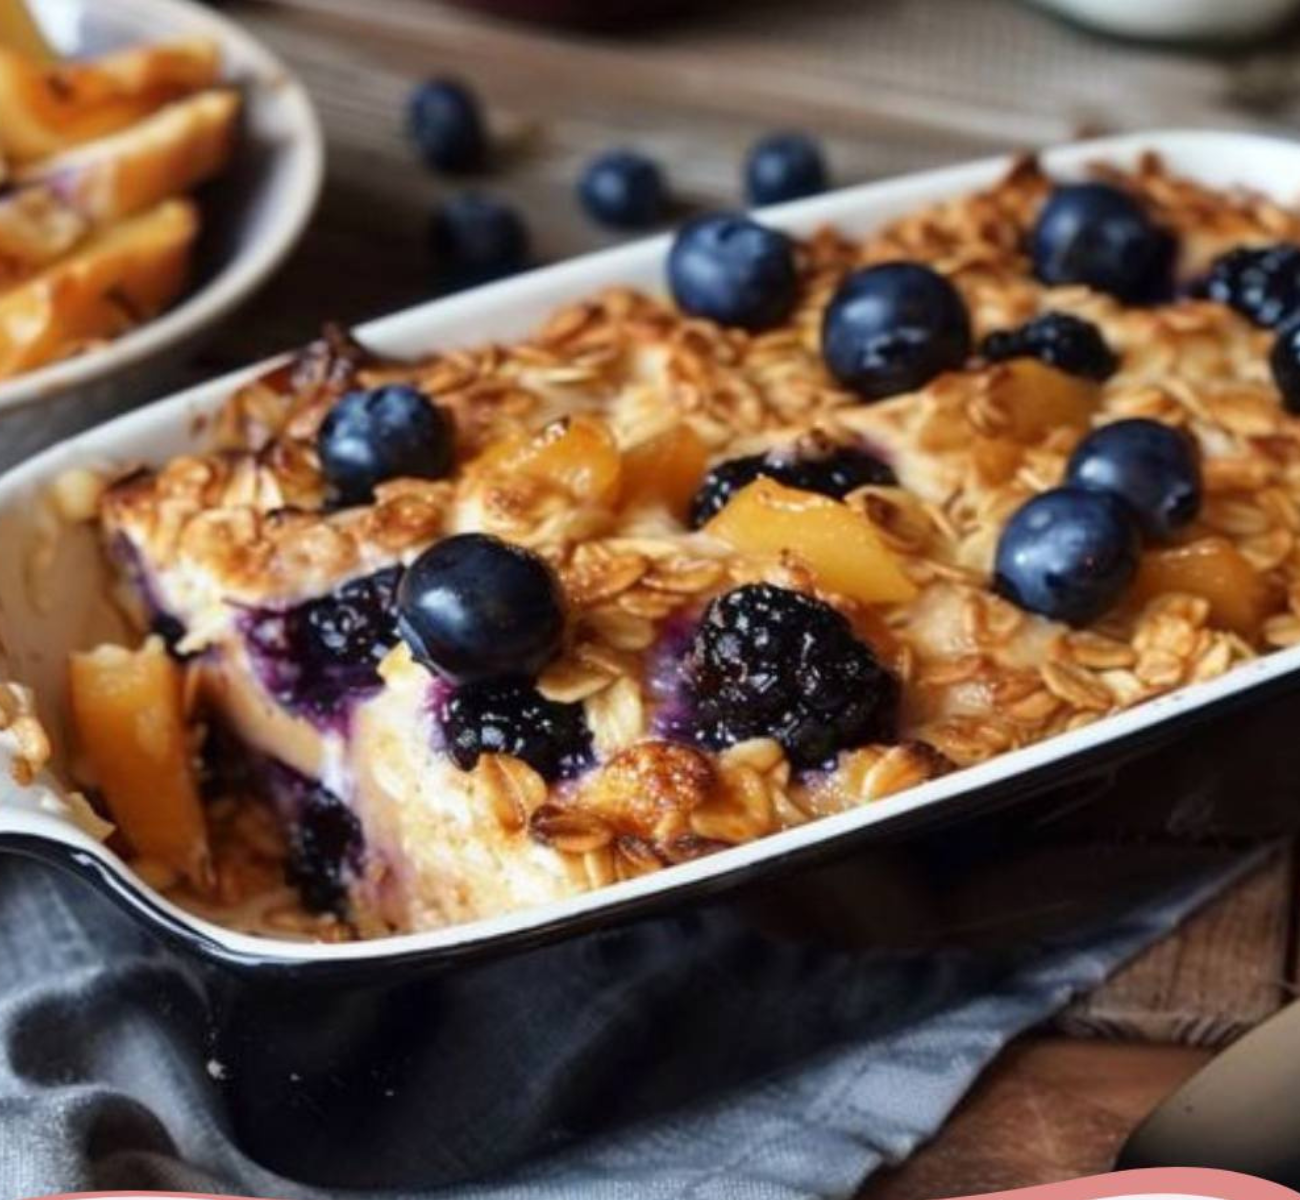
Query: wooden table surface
(890, 85)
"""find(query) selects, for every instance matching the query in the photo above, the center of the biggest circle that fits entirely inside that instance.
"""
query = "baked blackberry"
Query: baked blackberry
(1060, 340)
(1260, 282)
(510, 716)
(770, 662)
(835, 473)
(315, 656)
(325, 848)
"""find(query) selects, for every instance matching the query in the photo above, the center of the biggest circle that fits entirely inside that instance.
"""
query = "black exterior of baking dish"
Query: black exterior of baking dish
(322, 1065)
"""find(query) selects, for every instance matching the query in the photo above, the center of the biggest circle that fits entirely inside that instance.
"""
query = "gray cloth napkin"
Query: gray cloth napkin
(94, 1095)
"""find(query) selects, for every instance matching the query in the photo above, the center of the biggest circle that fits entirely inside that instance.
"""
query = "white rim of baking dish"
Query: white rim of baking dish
(236, 279)
(26, 812)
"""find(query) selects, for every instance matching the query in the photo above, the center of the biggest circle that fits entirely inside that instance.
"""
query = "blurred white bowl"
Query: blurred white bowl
(252, 217)
(1176, 20)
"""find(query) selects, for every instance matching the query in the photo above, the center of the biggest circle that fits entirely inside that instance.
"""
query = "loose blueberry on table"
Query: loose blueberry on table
(770, 662)
(475, 238)
(784, 166)
(1152, 467)
(1097, 235)
(892, 328)
(473, 607)
(732, 270)
(446, 123)
(1067, 554)
(1058, 339)
(624, 190)
(1260, 282)
(384, 433)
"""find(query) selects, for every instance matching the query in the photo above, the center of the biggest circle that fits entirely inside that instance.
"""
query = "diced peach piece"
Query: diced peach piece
(128, 710)
(665, 469)
(995, 459)
(47, 108)
(577, 453)
(1040, 399)
(839, 544)
(1214, 569)
(117, 279)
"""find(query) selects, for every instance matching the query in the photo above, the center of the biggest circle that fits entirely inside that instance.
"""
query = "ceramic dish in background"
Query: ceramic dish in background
(1177, 20)
(338, 1021)
(252, 216)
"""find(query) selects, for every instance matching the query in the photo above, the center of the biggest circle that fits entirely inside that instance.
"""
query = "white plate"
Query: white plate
(256, 214)
(37, 640)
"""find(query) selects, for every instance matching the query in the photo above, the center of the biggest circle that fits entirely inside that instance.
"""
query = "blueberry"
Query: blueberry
(836, 473)
(447, 124)
(1067, 343)
(1154, 468)
(1260, 282)
(473, 607)
(510, 716)
(734, 271)
(475, 238)
(1067, 554)
(1095, 234)
(315, 656)
(383, 433)
(770, 662)
(784, 166)
(325, 848)
(623, 189)
(892, 328)
(1284, 361)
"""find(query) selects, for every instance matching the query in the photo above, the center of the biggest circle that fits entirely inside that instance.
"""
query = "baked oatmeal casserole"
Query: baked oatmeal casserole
(429, 641)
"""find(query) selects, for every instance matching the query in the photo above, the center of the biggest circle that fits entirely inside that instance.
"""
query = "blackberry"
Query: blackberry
(834, 473)
(769, 662)
(1284, 363)
(509, 716)
(325, 847)
(1067, 343)
(314, 656)
(1260, 282)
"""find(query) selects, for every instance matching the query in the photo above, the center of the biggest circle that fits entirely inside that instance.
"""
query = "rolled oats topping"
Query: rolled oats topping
(516, 621)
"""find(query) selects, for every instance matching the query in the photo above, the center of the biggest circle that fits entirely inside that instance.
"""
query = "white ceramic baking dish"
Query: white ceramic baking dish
(50, 608)
(309, 1046)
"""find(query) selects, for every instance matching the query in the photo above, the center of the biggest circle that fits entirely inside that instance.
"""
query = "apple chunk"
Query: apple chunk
(114, 281)
(127, 708)
(837, 543)
(48, 108)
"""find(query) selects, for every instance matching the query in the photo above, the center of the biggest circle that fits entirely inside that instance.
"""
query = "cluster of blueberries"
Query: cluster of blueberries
(476, 237)
(487, 616)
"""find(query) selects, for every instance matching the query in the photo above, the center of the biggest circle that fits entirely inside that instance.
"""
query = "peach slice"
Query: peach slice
(127, 709)
(115, 281)
(838, 544)
(1214, 569)
(576, 453)
(164, 155)
(665, 469)
(47, 108)
(1040, 399)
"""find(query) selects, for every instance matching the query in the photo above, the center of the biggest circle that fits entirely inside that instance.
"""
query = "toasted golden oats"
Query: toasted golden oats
(586, 443)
